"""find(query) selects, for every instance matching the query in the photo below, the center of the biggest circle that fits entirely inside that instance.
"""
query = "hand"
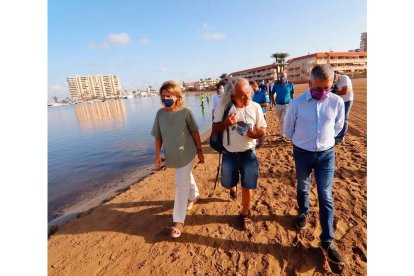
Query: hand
(230, 120)
(200, 156)
(254, 133)
(157, 163)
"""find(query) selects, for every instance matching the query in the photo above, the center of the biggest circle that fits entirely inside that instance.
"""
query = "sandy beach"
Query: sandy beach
(129, 234)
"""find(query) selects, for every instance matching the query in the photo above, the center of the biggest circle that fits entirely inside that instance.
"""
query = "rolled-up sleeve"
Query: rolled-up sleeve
(290, 121)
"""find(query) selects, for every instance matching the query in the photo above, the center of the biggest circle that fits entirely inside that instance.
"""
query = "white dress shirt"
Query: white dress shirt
(313, 125)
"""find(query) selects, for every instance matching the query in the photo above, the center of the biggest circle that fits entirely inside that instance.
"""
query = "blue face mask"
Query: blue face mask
(168, 102)
(221, 91)
(283, 79)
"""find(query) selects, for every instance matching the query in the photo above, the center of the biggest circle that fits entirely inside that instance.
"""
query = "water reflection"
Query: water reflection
(101, 115)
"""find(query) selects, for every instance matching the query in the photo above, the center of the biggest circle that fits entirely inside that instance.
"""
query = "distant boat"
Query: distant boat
(144, 94)
(128, 96)
(56, 104)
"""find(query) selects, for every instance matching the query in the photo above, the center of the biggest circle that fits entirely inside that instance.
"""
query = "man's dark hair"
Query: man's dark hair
(252, 82)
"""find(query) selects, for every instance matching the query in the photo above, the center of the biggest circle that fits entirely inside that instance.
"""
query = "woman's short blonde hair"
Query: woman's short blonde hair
(174, 88)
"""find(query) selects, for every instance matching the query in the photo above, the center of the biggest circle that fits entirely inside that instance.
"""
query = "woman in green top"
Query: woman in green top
(176, 129)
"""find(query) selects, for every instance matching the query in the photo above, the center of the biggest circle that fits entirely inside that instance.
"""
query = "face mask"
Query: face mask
(283, 79)
(221, 91)
(168, 102)
(319, 94)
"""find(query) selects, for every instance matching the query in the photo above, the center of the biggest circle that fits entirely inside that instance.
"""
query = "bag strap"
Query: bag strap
(225, 114)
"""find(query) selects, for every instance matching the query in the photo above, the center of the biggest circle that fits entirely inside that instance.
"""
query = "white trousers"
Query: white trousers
(185, 189)
(281, 113)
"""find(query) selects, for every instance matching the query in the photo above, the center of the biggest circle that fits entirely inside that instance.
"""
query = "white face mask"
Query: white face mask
(221, 91)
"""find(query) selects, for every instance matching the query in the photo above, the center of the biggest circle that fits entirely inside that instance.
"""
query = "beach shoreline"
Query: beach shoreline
(116, 187)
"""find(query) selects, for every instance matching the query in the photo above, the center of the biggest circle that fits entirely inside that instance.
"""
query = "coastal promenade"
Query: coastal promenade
(129, 233)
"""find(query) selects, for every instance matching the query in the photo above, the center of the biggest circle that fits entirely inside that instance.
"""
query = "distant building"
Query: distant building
(91, 87)
(363, 44)
(298, 69)
(266, 72)
(201, 85)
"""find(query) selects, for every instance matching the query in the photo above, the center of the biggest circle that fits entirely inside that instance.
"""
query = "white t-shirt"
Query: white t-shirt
(344, 80)
(248, 116)
(216, 100)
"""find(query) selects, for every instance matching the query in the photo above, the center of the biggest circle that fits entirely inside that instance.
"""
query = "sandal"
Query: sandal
(175, 232)
(191, 203)
(246, 221)
(233, 194)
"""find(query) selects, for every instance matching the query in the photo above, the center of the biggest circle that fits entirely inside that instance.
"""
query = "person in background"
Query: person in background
(245, 123)
(216, 98)
(312, 122)
(263, 86)
(262, 98)
(269, 89)
(283, 92)
(176, 130)
(343, 87)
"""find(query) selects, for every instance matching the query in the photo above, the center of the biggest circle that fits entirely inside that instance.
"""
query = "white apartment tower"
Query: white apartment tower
(92, 87)
(363, 44)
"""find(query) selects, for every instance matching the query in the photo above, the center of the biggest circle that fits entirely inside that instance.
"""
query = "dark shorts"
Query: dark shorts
(239, 163)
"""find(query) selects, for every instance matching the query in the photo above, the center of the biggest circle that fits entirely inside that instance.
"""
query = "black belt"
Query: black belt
(238, 153)
(308, 151)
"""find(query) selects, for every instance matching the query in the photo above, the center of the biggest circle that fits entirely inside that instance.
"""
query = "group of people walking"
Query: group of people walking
(313, 121)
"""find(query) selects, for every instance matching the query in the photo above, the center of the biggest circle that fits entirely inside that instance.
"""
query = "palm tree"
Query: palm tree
(279, 61)
(55, 99)
(276, 57)
(282, 57)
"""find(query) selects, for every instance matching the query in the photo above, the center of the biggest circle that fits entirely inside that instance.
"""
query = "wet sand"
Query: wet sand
(129, 233)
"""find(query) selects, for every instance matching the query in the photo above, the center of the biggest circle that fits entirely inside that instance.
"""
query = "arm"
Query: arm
(342, 91)
(340, 117)
(256, 133)
(290, 121)
(221, 126)
(197, 141)
(343, 84)
(293, 92)
(158, 144)
(264, 104)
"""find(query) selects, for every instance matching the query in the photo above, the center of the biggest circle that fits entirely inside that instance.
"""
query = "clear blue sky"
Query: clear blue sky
(148, 42)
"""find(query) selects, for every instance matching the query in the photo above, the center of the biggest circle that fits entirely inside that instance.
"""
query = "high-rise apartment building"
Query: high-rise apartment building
(363, 44)
(92, 87)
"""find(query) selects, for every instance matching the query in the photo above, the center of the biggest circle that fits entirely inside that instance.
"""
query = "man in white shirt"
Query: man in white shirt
(343, 88)
(312, 121)
(244, 124)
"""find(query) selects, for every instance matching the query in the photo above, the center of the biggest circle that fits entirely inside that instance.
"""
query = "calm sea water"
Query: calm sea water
(92, 145)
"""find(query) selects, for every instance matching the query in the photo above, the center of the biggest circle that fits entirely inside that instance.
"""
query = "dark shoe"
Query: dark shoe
(332, 252)
(301, 221)
(233, 195)
(246, 221)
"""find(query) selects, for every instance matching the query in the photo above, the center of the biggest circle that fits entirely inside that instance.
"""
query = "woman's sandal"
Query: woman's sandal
(175, 232)
(191, 203)
(246, 221)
